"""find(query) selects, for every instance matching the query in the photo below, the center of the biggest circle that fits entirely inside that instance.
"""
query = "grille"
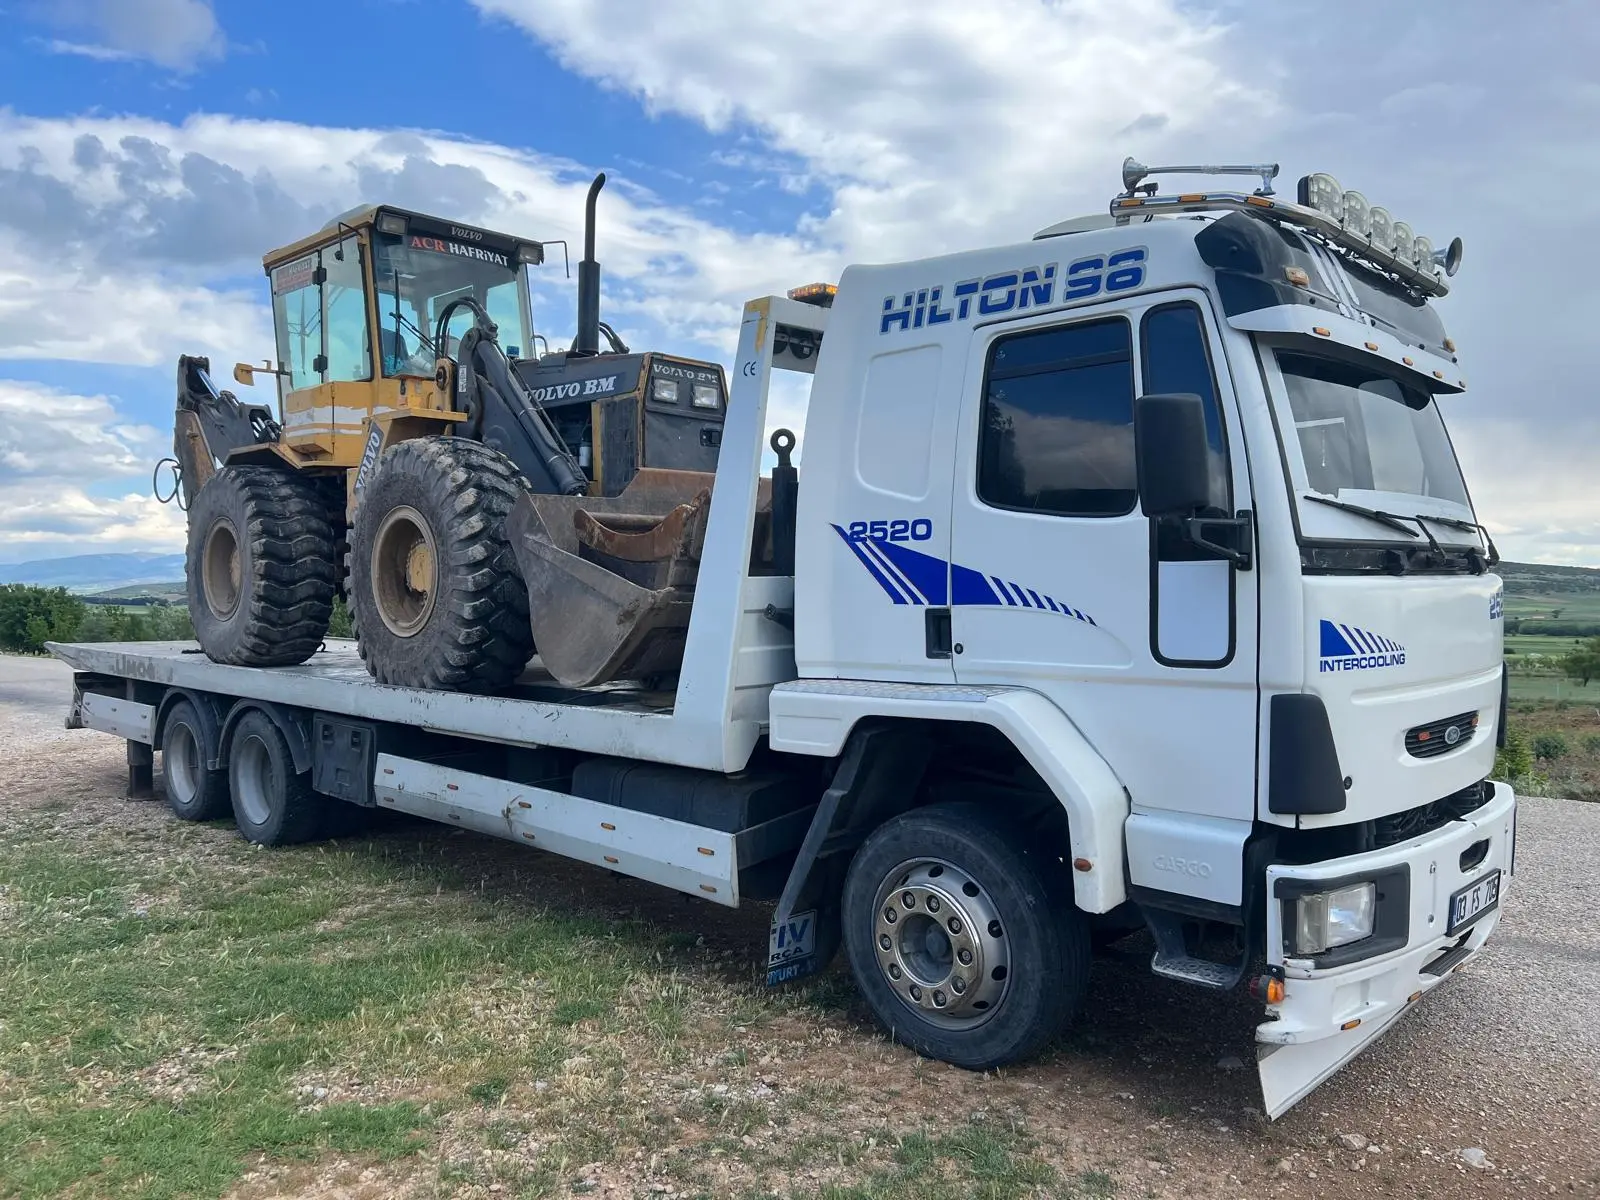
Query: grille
(1400, 827)
(1426, 741)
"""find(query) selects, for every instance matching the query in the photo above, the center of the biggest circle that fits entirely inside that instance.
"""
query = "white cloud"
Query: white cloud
(161, 214)
(54, 448)
(1537, 490)
(938, 124)
(176, 34)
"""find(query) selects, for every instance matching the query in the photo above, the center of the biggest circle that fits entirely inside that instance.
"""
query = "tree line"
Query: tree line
(31, 616)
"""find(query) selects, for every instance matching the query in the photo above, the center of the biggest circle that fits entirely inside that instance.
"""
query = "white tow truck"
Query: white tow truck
(1130, 583)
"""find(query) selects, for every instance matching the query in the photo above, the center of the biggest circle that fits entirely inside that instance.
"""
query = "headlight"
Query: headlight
(664, 391)
(707, 395)
(1324, 920)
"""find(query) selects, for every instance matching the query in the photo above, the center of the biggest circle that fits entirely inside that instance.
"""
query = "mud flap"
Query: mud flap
(1291, 1071)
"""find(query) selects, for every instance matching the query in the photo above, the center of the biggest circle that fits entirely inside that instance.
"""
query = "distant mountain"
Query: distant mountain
(95, 572)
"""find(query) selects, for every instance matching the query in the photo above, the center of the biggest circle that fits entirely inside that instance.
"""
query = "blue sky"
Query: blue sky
(151, 150)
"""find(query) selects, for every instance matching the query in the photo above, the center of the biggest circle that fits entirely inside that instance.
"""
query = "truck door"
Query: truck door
(1059, 583)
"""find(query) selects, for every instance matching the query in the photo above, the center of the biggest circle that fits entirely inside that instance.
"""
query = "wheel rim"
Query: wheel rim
(404, 571)
(252, 780)
(940, 944)
(181, 761)
(220, 571)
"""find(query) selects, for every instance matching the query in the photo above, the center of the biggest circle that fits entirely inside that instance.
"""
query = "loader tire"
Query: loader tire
(435, 590)
(260, 566)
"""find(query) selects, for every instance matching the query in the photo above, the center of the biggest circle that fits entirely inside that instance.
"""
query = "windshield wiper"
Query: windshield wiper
(1372, 514)
(1458, 523)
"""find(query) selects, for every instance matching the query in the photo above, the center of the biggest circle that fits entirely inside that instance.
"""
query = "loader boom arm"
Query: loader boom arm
(210, 422)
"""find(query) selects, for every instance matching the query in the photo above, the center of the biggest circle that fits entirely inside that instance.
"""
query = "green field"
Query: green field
(1534, 643)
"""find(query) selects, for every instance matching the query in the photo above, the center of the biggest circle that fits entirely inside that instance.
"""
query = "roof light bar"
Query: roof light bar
(1342, 219)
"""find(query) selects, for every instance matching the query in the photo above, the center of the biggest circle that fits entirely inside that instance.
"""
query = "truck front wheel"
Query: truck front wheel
(966, 946)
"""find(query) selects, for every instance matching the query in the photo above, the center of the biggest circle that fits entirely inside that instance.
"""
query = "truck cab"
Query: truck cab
(1182, 471)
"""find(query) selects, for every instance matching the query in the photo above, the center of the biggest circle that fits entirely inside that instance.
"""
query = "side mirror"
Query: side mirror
(1173, 454)
(244, 373)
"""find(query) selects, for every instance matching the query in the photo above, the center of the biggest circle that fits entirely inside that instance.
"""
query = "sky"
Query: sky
(152, 150)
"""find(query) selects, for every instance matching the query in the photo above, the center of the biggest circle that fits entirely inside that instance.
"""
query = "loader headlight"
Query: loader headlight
(1323, 920)
(664, 391)
(707, 395)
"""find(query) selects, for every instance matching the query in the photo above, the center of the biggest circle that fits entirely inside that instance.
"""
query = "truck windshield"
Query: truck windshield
(418, 275)
(1366, 436)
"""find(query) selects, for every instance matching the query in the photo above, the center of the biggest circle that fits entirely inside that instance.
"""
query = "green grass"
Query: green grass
(178, 1008)
(156, 1041)
(1534, 643)
(1574, 606)
(1532, 689)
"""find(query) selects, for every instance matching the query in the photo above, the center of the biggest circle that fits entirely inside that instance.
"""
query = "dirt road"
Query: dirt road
(1154, 1087)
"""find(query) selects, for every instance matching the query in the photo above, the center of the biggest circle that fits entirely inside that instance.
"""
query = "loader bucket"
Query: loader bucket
(611, 580)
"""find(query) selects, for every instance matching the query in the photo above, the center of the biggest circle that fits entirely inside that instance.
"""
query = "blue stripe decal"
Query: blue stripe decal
(929, 575)
(888, 568)
(970, 587)
(872, 568)
(912, 577)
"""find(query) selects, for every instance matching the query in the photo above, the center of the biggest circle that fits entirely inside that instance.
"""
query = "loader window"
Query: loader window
(322, 326)
(297, 318)
(1057, 432)
(417, 276)
(345, 314)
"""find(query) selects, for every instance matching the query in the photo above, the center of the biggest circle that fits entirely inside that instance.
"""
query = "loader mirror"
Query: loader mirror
(1169, 434)
(244, 373)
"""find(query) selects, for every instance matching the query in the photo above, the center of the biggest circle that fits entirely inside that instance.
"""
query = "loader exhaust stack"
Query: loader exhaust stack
(587, 339)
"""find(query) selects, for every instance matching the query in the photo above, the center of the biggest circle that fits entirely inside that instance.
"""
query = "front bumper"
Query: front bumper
(1329, 1014)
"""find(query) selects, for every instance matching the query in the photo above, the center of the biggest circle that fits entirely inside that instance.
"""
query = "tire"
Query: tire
(194, 791)
(435, 591)
(977, 873)
(272, 805)
(261, 567)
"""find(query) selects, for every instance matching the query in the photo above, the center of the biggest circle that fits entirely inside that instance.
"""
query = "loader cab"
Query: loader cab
(354, 308)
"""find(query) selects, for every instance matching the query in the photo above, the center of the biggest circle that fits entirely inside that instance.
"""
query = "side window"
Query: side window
(1176, 359)
(344, 301)
(1057, 432)
(297, 320)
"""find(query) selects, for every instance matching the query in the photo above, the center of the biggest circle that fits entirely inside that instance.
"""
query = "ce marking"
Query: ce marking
(748, 369)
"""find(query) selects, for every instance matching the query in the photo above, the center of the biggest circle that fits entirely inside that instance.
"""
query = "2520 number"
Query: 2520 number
(919, 530)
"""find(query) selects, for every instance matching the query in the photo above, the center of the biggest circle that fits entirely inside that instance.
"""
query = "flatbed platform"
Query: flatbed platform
(536, 711)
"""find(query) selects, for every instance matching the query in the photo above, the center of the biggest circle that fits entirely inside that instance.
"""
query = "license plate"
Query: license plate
(1472, 901)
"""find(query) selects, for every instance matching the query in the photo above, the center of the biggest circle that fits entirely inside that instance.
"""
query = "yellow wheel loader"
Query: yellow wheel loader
(409, 428)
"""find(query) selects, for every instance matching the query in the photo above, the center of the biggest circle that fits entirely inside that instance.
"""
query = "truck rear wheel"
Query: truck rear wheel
(435, 590)
(260, 566)
(194, 791)
(273, 805)
(967, 948)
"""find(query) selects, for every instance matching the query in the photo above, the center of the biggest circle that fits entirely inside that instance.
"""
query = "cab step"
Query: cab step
(1173, 959)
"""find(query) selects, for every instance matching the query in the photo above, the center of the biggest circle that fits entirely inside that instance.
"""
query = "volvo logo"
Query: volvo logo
(1452, 735)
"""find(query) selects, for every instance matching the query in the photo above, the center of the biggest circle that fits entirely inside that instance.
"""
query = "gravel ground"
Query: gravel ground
(1504, 1060)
